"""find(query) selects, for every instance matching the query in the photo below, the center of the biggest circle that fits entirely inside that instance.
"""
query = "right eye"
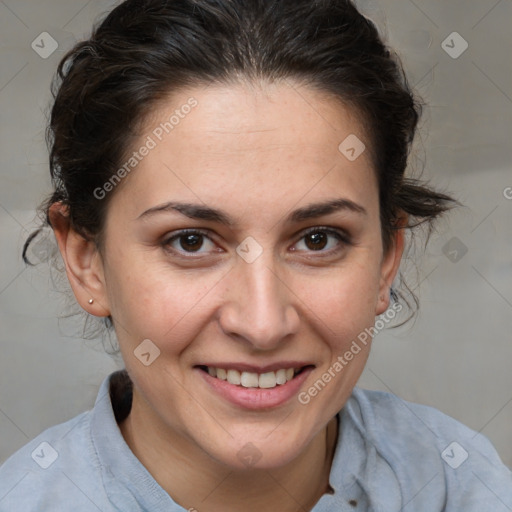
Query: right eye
(188, 241)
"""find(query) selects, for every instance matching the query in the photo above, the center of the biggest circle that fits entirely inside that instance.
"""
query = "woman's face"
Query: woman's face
(281, 270)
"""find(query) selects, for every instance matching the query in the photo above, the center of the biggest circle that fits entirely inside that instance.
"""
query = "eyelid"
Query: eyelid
(182, 232)
(341, 233)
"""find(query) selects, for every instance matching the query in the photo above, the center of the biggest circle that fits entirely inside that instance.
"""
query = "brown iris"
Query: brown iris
(191, 242)
(316, 241)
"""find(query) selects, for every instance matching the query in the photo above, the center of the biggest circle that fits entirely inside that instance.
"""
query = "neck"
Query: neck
(195, 480)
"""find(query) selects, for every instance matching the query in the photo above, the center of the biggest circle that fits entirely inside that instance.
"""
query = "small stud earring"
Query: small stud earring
(91, 301)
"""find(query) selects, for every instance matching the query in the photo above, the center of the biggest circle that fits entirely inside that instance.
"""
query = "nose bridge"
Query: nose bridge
(259, 308)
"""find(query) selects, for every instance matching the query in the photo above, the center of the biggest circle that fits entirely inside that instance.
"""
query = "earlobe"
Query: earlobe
(390, 265)
(84, 266)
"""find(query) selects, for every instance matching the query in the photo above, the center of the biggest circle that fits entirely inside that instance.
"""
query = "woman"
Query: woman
(230, 197)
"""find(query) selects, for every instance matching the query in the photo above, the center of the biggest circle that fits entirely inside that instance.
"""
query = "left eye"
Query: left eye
(318, 239)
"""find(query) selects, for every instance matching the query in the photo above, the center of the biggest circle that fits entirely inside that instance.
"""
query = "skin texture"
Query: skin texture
(257, 152)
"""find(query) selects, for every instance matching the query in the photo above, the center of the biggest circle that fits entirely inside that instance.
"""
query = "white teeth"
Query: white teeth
(249, 380)
(268, 380)
(281, 376)
(254, 380)
(233, 377)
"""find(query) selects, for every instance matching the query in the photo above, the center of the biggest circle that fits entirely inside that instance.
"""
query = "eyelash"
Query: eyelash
(341, 236)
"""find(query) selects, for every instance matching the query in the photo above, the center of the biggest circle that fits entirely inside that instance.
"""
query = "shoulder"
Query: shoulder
(384, 413)
(427, 449)
(58, 470)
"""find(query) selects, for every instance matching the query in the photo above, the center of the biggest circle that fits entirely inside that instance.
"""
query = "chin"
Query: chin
(263, 452)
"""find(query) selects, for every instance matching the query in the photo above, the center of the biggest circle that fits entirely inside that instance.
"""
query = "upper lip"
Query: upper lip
(258, 368)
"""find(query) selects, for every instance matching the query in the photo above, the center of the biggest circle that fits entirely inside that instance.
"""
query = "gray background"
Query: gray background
(456, 355)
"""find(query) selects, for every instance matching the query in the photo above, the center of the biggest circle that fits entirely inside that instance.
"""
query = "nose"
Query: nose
(259, 306)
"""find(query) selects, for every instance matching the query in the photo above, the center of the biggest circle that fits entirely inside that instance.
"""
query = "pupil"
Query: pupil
(318, 241)
(192, 242)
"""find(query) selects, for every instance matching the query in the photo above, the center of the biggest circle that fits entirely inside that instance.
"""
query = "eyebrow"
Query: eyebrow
(200, 212)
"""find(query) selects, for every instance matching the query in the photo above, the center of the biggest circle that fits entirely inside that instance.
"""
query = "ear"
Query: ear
(84, 266)
(390, 264)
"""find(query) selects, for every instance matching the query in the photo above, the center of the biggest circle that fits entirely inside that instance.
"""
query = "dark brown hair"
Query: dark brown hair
(143, 50)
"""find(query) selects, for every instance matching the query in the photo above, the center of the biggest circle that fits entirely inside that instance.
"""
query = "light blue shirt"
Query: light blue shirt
(391, 456)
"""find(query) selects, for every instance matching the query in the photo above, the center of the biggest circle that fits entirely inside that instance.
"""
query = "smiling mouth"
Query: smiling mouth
(245, 379)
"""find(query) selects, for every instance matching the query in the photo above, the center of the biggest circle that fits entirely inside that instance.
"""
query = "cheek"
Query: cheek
(343, 301)
(158, 304)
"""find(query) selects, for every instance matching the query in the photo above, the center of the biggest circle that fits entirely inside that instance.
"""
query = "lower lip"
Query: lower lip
(256, 398)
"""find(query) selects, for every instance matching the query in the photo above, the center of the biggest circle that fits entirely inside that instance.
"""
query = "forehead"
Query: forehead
(277, 142)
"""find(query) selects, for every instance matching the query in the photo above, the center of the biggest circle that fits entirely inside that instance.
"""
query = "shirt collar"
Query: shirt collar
(127, 482)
